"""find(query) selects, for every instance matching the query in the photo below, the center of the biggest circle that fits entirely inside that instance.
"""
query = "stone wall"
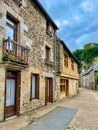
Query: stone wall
(73, 87)
(2, 92)
(88, 80)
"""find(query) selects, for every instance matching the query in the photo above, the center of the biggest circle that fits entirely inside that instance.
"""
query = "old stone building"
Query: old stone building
(88, 78)
(67, 70)
(27, 36)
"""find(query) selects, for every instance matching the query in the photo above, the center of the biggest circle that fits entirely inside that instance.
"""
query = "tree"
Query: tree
(78, 54)
(88, 53)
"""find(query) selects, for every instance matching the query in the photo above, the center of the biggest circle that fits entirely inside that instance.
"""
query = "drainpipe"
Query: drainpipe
(55, 65)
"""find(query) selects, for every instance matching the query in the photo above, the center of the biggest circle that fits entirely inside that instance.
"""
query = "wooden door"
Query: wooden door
(12, 93)
(67, 88)
(10, 105)
(48, 90)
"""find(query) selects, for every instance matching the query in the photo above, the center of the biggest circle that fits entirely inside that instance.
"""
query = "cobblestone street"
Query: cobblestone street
(86, 118)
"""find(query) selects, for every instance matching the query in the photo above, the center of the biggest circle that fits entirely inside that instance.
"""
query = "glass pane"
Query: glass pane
(33, 85)
(10, 32)
(10, 92)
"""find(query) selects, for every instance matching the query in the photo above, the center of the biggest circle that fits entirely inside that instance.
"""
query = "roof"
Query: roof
(64, 45)
(41, 8)
(95, 68)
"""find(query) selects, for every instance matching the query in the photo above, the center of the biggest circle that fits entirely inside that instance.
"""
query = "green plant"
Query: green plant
(5, 56)
(19, 58)
(12, 58)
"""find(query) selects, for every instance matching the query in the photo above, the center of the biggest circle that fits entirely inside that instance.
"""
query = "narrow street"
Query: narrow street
(87, 104)
(86, 117)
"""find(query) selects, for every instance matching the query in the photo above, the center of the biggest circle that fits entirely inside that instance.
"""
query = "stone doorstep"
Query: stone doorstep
(9, 118)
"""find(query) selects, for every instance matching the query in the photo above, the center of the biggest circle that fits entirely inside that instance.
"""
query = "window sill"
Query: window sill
(34, 99)
(48, 62)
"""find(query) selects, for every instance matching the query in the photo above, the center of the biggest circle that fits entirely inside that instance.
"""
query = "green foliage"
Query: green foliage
(19, 58)
(78, 54)
(4, 56)
(96, 59)
(96, 77)
(12, 58)
(87, 54)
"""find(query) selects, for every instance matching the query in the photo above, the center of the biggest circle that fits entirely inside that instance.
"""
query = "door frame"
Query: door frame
(18, 86)
(50, 91)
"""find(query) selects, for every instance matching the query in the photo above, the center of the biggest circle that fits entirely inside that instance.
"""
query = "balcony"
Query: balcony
(14, 53)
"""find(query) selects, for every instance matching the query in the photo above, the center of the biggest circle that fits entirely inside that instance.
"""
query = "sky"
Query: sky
(77, 20)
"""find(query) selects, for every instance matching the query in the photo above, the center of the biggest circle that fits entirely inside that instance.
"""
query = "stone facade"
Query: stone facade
(32, 33)
(35, 34)
(88, 77)
(68, 77)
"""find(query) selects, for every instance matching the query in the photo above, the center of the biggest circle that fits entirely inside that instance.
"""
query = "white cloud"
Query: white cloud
(87, 6)
(61, 23)
(76, 17)
(65, 22)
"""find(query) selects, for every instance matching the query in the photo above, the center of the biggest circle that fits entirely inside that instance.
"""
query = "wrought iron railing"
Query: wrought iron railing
(14, 52)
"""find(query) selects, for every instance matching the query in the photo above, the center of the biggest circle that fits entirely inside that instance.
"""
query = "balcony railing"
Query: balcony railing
(14, 52)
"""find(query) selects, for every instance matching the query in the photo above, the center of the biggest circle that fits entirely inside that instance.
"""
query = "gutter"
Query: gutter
(55, 64)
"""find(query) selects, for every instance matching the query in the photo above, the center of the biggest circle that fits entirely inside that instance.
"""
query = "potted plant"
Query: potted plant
(27, 63)
(12, 58)
(19, 58)
(5, 56)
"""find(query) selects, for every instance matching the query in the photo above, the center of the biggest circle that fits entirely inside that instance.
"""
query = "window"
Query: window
(11, 29)
(48, 28)
(65, 60)
(47, 53)
(47, 25)
(34, 86)
(62, 85)
(11, 33)
(72, 64)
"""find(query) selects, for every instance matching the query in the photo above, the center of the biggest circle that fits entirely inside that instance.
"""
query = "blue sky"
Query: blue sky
(77, 20)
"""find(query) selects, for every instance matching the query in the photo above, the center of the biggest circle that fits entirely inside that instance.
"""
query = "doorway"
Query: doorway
(67, 87)
(48, 90)
(12, 93)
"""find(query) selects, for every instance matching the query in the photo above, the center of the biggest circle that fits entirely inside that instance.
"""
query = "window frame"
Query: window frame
(65, 60)
(36, 87)
(47, 55)
(48, 28)
(14, 27)
(62, 85)
(72, 64)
